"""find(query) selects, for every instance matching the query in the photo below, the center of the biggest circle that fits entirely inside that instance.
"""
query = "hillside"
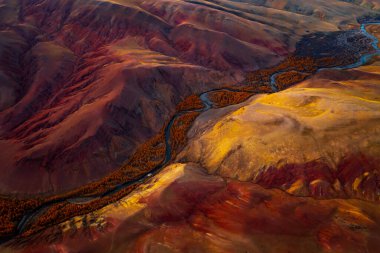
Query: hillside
(85, 82)
(318, 138)
(292, 171)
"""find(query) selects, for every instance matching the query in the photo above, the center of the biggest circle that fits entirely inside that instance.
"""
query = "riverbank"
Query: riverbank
(28, 219)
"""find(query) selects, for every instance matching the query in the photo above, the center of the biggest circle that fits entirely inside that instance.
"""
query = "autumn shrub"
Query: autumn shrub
(286, 79)
(181, 125)
(12, 210)
(150, 154)
(223, 98)
(192, 102)
(292, 64)
(63, 211)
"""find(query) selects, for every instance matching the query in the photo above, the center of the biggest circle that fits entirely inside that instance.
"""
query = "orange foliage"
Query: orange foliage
(148, 156)
(14, 209)
(224, 97)
(307, 65)
(284, 80)
(179, 130)
(60, 212)
(192, 102)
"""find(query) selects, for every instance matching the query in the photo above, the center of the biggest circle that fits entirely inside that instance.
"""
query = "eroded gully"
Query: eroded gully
(207, 103)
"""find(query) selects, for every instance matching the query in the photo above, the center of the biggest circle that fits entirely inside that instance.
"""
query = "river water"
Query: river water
(364, 59)
(168, 153)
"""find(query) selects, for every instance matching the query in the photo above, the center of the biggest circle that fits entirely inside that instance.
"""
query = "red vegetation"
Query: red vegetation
(147, 157)
(14, 209)
(290, 66)
(284, 80)
(181, 125)
(192, 102)
(150, 154)
(61, 212)
(224, 97)
(301, 64)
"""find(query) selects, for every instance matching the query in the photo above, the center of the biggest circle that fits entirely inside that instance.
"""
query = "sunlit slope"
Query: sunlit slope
(84, 82)
(318, 138)
(184, 209)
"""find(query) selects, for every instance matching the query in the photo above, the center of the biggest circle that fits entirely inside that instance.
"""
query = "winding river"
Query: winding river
(364, 59)
(28, 217)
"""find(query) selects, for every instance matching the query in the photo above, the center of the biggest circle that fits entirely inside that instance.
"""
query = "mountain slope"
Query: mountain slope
(309, 183)
(83, 83)
(319, 138)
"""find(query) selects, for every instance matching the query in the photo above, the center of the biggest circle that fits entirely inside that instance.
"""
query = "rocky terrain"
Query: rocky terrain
(189, 126)
(316, 190)
(83, 83)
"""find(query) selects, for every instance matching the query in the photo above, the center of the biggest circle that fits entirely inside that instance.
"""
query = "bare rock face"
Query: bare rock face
(82, 83)
(319, 138)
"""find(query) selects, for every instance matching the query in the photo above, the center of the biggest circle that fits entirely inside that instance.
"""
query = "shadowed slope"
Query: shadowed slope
(78, 76)
(293, 171)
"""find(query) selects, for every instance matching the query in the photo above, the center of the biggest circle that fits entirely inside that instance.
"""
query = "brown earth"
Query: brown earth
(184, 209)
(84, 83)
(244, 187)
(318, 138)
